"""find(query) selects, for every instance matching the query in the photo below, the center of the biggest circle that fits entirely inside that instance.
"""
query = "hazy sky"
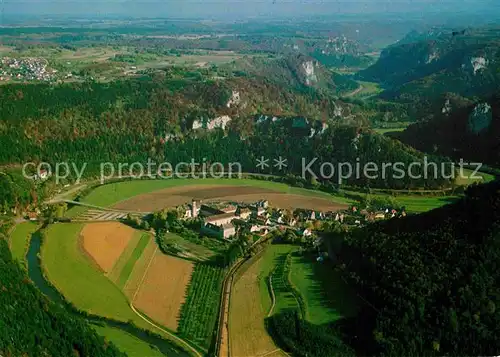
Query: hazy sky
(237, 8)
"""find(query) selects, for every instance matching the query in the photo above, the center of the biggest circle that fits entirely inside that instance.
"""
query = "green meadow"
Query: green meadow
(20, 239)
(326, 296)
(75, 277)
(133, 346)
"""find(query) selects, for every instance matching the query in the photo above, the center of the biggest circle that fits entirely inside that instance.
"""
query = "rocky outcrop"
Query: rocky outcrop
(310, 76)
(480, 118)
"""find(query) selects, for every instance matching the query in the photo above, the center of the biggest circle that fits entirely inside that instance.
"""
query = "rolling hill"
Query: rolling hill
(422, 68)
(429, 282)
(471, 133)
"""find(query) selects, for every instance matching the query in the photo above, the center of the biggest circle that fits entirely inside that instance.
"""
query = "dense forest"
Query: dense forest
(421, 68)
(31, 325)
(290, 138)
(430, 282)
(304, 339)
(131, 121)
(471, 133)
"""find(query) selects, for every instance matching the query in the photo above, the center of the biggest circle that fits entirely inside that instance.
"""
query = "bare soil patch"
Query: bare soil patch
(163, 290)
(176, 196)
(288, 201)
(105, 242)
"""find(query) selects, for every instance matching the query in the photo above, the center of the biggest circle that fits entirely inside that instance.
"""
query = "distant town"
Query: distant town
(26, 69)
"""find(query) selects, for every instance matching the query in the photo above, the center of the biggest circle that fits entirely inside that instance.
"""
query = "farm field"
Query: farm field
(468, 180)
(326, 296)
(77, 278)
(419, 204)
(123, 268)
(366, 90)
(163, 290)
(247, 332)
(133, 346)
(414, 203)
(20, 238)
(270, 260)
(189, 249)
(139, 269)
(181, 195)
(281, 286)
(393, 128)
(105, 242)
(82, 284)
(199, 312)
(116, 194)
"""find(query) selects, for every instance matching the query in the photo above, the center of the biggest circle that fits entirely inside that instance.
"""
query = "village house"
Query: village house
(244, 213)
(379, 215)
(263, 220)
(32, 216)
(255, 228)
(207, 211)
(258, 211)
(224, 231)
(263, 232)
(263, 203)
(304, 232)
(228, 209)
(220, 219)
(339, 217)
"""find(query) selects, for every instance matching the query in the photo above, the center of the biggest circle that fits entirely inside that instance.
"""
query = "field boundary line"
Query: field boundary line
(273, 297)
(176, 338)
(145, 273)
(274, 351)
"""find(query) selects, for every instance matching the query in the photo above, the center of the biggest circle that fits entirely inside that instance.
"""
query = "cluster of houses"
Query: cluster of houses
(221, 219)
(25, 69)
(386, 213)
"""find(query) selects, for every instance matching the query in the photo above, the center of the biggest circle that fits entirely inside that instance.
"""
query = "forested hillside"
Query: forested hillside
(471, 133)
(295, 71)
(31, 325)
(430, 282)
(172, 118)
(300, 142)
(130, 119)
(421, 68)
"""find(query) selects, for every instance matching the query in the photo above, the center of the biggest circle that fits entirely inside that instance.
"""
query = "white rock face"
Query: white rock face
(337, 111)
(355, 141)
(447, 107)
(309, 72)
(432, 57)
(478, 63)
(219, 122)
(197, 124)
(480, 118)
(234, 100)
